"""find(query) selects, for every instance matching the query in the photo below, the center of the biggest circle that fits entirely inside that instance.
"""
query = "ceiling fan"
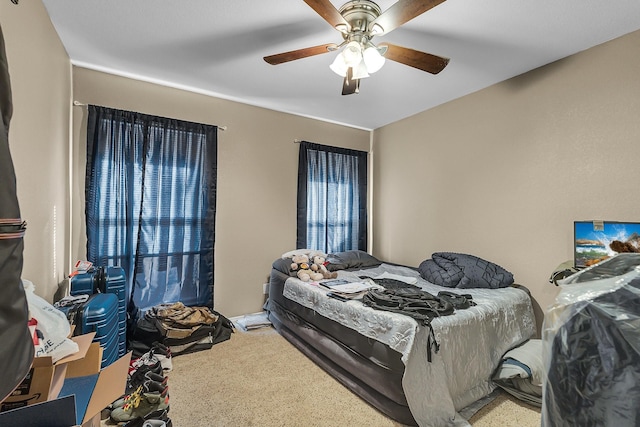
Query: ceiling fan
(359, 21)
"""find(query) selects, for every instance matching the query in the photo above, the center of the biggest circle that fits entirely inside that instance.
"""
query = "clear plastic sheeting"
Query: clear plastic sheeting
(591, 346)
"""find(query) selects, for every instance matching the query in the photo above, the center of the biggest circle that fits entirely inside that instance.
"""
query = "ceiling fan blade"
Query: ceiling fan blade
(328, 11)
(403, 11)
(300, 53)
(414, 58)
(350, 86)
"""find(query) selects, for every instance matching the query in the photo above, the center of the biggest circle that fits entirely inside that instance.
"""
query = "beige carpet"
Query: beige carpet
(258, 379)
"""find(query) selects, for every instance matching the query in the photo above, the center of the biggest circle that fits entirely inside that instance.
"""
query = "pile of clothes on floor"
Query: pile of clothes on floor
(185, 329)
(521, 372)
(146, 399)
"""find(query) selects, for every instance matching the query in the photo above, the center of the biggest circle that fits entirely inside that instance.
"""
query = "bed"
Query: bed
(383, 356)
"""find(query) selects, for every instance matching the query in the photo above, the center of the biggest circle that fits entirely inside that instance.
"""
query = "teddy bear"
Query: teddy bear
(301, 266)
(319, 265)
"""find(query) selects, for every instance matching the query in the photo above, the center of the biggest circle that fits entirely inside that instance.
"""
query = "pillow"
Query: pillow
(521, 372)
(308, 252)
(464, 271)
(351, 260)
(442, 272)
(283, 265)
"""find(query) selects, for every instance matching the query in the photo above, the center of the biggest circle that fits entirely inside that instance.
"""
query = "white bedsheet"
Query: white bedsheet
(472, 341)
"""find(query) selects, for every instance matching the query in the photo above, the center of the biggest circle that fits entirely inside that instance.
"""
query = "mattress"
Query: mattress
(382, 356)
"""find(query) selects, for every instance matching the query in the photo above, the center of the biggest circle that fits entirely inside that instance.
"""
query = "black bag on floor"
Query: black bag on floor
(142, 335)
(183, 329)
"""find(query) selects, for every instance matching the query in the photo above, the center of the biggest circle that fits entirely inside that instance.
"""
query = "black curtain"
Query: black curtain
(332, 198)
(16, 348)
(150, 204)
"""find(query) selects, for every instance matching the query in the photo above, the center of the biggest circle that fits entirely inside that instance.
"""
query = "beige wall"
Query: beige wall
(504, 172)
(39, 138)
(501, 173)
(257, 175)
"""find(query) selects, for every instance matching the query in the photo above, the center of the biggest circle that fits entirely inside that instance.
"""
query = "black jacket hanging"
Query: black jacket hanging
(16, 351)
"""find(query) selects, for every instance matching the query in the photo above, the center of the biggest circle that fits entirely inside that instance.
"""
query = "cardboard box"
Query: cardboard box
(94, 389)
(45, 378)
(78, 399)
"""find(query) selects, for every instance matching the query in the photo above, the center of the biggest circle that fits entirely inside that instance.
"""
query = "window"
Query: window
(151, 197)
(332, 198)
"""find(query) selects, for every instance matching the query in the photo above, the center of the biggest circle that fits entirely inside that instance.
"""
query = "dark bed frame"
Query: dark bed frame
(370, 369)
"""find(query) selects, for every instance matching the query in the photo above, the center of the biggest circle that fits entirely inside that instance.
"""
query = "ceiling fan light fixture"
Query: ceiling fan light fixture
(360, 71)
(373, 59)
(359, 21)
(352, 54)
(339, 66)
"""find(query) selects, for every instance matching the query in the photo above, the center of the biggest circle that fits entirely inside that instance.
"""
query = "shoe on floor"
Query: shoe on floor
(142, 375)
(140, 405)
(148, 386)
(160, 415)
(147, 359)
(163, 354)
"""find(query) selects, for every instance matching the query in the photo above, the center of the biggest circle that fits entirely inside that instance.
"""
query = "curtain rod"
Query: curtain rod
(297, 141)
(80, 104)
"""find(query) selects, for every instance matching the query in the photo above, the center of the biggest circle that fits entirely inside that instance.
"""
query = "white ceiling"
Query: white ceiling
(216, 47)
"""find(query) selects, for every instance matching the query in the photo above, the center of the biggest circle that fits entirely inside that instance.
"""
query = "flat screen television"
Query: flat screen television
(595, 241)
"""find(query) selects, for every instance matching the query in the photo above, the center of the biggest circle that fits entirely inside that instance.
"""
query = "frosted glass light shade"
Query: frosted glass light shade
(373, 59)
(338, 66)
(360, 71)
(352, 54)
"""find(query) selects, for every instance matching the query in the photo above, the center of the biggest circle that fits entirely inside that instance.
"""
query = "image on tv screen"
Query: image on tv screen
(596, 241)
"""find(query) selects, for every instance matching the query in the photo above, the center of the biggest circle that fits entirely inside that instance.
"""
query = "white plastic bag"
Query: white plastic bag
(53, 326)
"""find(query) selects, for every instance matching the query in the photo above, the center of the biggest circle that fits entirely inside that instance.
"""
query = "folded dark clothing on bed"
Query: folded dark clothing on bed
(454, 270)
(459, 301)
(389, 283)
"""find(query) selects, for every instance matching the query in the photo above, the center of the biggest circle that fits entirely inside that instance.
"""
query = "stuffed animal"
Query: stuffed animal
(319, 265)
(299, 261)
(302, 268)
